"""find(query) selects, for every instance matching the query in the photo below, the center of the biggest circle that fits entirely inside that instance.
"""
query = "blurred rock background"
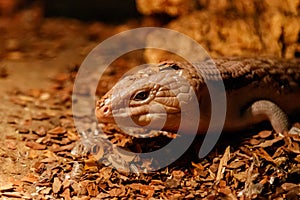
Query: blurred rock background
(233, 27)
(222, 27)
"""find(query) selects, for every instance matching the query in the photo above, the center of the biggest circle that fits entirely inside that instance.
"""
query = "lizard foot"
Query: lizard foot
(266, 110)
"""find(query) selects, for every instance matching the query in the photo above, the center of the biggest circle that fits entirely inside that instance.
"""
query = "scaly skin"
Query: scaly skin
(257, 89)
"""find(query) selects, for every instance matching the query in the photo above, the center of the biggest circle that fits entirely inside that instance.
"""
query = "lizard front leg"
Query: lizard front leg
(266, 110)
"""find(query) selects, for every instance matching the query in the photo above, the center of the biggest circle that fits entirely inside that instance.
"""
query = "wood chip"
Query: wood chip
(236, 164)
(92, 189)
(46, 191)
(56, 186)
(223, 163)
(294, 147)
(3, 72)
(144, 189)
(49, 160)
(68, 147)
(12, 194)
(288, 186)
(6, 187)
(57, 131)
(297, 158)
(242, 176)
(41, 131)
(178, 174)
(35, 146)
(269, 143)
(254, 141)
(66, 194)
(30, 137)
(263, 154)
(44, 96)
(226, 191)
(265, 134)
(11, 145)
(30, 179)
(23, 130)
(41, 116)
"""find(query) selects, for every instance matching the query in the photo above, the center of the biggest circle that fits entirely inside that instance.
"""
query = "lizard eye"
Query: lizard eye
(142, 95)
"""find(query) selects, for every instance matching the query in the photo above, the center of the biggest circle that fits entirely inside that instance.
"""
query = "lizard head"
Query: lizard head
(151, 98)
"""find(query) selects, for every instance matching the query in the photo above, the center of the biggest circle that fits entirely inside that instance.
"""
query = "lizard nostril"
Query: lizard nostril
(105, 110)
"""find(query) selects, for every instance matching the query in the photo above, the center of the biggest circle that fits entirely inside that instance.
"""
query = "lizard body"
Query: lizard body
(257, 89)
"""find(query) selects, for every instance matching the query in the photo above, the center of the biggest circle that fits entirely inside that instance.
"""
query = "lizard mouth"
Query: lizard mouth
(105, 114)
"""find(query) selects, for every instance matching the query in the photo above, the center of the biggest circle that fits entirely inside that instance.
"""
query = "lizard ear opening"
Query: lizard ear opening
(141, 95)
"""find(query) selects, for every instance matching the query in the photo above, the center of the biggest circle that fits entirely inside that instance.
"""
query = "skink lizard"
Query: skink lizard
(257, 90)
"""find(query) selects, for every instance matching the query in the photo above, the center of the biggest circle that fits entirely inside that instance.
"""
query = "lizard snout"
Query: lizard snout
(104, 112)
